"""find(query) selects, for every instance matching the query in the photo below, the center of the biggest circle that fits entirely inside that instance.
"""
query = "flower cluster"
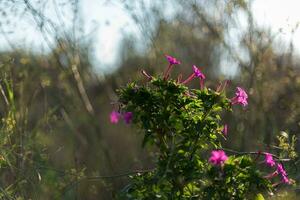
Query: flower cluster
(279, 168)
(115, 116)
(241, 96)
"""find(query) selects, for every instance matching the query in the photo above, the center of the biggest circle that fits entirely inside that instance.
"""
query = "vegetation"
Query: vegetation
(186, 140)
(184, 125)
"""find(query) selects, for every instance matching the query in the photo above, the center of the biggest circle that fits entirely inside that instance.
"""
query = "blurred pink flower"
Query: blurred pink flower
(114, 117)
(280, 169)
(269, 159)
(241, 97)
(172, 60)
(198, 73)
(283, 174)
(218, 157)
(285, 179)
(128, 117)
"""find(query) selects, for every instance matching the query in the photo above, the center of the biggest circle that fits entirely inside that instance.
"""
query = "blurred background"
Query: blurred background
(61, 62)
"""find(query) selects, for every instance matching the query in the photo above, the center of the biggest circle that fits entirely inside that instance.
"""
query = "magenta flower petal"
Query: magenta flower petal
(280, 169)
(198, 73)
(282, 172)
(172, 60)
(240, 97)
(285, 180)
(218, 157)
(269, 159)
(114, 117)
(128, 117)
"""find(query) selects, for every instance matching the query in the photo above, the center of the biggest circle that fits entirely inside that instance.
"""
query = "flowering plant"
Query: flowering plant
(185, 126)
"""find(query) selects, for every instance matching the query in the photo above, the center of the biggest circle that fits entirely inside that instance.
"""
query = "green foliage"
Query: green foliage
(240, 177)
(287, 145)
(184, 125)
(24, 162)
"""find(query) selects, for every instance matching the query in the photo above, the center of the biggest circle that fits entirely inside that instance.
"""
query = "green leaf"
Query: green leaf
(259, 196)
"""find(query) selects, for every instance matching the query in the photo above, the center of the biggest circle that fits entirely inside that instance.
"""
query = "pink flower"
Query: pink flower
(280, 169)
(114, 117)
(241, 97)
(172, 60)
(269, 159)
(285, 179)
(218, 157)
(198, 73)
(128, 117)
(225, 130)
(283, 174)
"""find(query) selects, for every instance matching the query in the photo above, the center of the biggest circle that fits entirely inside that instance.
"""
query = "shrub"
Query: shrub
(185, 126)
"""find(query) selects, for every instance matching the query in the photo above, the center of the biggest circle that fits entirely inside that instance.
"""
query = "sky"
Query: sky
(106, 23)
(283, 16)
(109, 22)
(113, 23)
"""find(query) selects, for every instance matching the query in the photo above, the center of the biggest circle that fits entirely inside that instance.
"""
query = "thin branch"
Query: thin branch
(120, 175)
(40, 19)
(256, 153)
(81, 88)
(4, 95)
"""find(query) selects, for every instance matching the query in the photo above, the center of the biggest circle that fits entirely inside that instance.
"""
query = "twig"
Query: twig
(4, 96)
(81, 88)
(119, 175)
(256, 153)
